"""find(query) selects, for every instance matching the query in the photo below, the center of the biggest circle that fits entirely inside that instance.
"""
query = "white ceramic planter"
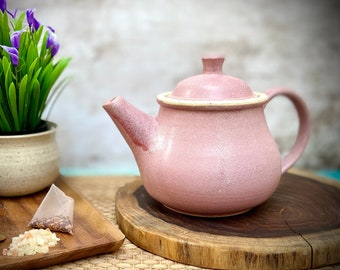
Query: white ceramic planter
(28, 163)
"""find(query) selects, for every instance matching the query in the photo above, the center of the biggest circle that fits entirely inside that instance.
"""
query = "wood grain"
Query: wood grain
(297, 228)
(92, 233)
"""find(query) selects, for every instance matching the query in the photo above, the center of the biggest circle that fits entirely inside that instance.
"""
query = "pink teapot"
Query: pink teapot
(209, 151)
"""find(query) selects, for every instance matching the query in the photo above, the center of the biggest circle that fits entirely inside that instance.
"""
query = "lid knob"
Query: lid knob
(213, 65)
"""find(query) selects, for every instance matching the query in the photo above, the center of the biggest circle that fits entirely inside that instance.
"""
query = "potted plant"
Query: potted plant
(29, 83)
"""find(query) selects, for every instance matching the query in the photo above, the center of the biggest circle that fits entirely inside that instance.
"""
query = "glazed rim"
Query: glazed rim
(256, 100)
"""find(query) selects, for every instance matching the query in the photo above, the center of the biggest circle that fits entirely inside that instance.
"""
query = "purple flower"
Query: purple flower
(13, 53)
(15, 38)
(3, 5)
(33, 23)
(3, 8)
(52, 42)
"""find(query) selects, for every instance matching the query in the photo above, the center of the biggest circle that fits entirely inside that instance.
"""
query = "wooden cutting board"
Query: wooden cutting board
(92, 233)
(297, 228)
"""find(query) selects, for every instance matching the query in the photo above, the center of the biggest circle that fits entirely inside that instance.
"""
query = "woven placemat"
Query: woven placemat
(100, 192)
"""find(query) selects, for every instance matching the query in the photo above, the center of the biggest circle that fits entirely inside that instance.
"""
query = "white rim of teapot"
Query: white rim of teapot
(256, 100)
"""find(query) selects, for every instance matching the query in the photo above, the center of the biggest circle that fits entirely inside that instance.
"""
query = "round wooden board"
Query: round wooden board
(297, 228)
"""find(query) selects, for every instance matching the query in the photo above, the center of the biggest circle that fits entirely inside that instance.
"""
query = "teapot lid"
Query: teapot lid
(211, 89)
(212, 84)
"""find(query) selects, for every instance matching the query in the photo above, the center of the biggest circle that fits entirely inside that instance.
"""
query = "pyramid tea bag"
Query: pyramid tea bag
(55, 212)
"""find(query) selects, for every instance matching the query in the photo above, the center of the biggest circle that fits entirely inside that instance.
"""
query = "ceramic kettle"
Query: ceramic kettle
(209, 151)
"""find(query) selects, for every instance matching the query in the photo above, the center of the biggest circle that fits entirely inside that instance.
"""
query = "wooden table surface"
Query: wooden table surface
(100, 191)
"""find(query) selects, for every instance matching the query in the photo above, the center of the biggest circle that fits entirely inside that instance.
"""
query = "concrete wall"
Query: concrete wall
(137, 49)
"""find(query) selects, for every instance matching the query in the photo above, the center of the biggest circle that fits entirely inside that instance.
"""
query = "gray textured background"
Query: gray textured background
(137, 49)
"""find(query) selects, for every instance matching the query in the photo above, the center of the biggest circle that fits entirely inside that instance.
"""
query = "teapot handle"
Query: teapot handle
(304, 125)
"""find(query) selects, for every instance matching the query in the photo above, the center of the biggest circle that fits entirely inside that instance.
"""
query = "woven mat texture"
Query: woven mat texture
(100, 192)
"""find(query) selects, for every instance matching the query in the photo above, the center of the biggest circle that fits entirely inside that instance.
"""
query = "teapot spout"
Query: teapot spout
(135, 126)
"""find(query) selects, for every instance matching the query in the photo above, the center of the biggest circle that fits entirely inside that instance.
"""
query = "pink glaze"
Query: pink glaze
(209, 151)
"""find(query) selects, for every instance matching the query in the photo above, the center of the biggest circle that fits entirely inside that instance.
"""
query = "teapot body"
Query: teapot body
(211, 162)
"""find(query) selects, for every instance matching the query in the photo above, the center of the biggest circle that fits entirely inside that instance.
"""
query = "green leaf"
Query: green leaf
(8, 73)
(32, 69)
(13, 105)
(18, 21)
(5, 114)
(33, 114)
(5, 62)
(43, 49)
(45, 72)
(32, 54)
(36, 74)
(2, 78)
(4, 122)
(59, 68)
(44, 79)
(4, 30)
(22, 100)
(25, 41)
(37, 35)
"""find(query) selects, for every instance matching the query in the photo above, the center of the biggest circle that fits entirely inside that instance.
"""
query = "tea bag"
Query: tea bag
(55, 212)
